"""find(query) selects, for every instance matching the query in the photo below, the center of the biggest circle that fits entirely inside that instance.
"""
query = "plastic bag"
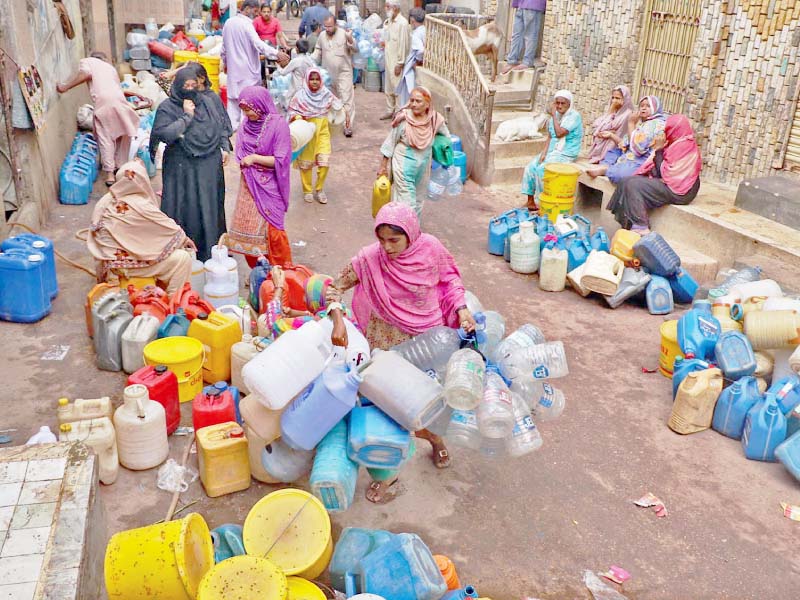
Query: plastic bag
(174, 478)
(86, 117)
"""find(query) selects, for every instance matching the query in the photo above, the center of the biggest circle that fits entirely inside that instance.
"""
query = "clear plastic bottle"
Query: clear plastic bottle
(524, 336)
(495, 414)
(454, 185)
(437, 183)
(463, 385)
(431, 349)
(473, 304)
(463, 429)
(542, 361)
(745, 275)
(525, 437)
(545, 401)
(495, 329)
(493, 447)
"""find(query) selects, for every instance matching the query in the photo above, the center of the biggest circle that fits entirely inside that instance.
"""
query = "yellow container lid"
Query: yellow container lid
(243, 578)
(562, 169)
(290, 527)
(172, 350)
(221, 435)
(302, 589)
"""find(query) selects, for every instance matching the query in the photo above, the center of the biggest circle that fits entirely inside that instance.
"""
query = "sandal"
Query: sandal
(441, 457)
(308, 198)
(348, 132)
(381, 492)
(322, 197)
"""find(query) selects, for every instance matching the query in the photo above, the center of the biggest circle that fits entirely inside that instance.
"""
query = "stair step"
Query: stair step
(508, 171)
(508, 93)
(523, 148)
(700, 266)
(498, 116)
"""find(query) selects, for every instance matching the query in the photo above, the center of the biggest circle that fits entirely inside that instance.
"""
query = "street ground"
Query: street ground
(515, 528)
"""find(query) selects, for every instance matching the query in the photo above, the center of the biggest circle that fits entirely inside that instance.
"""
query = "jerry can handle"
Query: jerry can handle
(140, 409)
(350, 584)
(234, 541)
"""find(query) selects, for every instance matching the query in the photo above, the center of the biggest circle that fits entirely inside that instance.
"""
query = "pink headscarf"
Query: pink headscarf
(682, 162)
(414, 291)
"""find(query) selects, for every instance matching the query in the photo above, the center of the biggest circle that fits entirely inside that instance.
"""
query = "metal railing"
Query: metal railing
(448, 56)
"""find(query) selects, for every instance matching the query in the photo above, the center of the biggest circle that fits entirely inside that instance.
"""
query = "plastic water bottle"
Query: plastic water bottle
(524, 336)
(431, 349)
(463, 385)
(545, 401)
(437, 183)
(494, 330)
(463, 429)
(473, 304)
(495, 414)
(454, 185)
(542, 361)
(525, 437)
(746, 275)
(43, 436)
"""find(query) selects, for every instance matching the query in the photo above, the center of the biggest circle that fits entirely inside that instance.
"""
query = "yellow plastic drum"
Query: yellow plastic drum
(670, 349)
(183, 56)
(244, 578)
(560, 180)
(161, 562)
(183, 356)
(211, 65)
(302, 589)
(292, 529)
(553, 206)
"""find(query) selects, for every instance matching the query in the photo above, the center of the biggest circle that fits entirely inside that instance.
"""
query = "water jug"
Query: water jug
(584, 226)
(257, 276)
(682, 367)
(24, 296)
(401, 569)
(142, 330)
(694, 405)
(463, 385)
(733, 404)
(375, 440)
(745, 275)
(565, 224)
(162, 386)
(448, 571)
(241, 353)
(455, 183)
(498, 231)
(698, 331)
(463, 429)
(788, 454)
(222, 459)
(741, 309)
(473, 303)
(97, 292)
(110, 316)
(599, 241)
(734, 355)
(659, 296)
(524, 336)
(723, 314)
(43, 436)
(255, 448)
(222, 387)
(684, 287)
(767, 288)
(430, 350)
(525, 249)
(265, 422)
(99, 435)
(217, 333)
(141, 430)
(75, 182)
(150, 299)
(553, 269)
(220, 289)
(764, 364)
(174, 325)
(38, 244)
(574, 278)
(656, 255)
(353, 545)
(495, 413)
(220, 260)
(772, 329)
(437, 182)
(83, 409)
(295, 293)
(602, 273)
(632, 283)
(333, 476)
(764, 430)
(544, 401)
(188, 301)
(493, 328)
(787, 392)
(402, 391)
(357, 352)
(460, 162)
(793, 421)
(513, 229)
(381, 193)
(462, 594)
(211, 407)
(227, 542)
(285, 464)
(622, 244)
(525, 437)
(198, 280)
(542, 361)
(577, 253)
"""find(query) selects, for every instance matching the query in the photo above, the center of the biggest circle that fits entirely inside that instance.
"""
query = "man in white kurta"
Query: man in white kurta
(408, 79)
(396, 38)
(334, 51)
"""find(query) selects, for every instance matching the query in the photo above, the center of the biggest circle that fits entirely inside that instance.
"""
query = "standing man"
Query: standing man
(335, 49)
(396, 35)
(525, 36)
(316, 12)
(408, 79)
(115, 121)
(269, 28)
(241, 60)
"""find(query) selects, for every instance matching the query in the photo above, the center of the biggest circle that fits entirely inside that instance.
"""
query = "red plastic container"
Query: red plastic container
(295, 293)
(213, 408)
(190, 301)
(150, 299)
(162, 385)
(223, 95)
(161, 50)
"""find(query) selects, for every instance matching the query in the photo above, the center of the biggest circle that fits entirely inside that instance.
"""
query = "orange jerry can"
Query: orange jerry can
(295, 292)
(190, 301)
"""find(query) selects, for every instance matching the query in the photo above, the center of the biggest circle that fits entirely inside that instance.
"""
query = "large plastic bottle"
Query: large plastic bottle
(787, 392)
(524, 336)
(162, 386)
(438, 182)
(431, 349)
(698, 331)
(542, 361)
(141, 427)
(242, 353)
(463, 429)
(525, 437)
(633, 282)
(375, 440)
(682, 367)
(463, 385)
(764, 430)
(213, 406)
(659, 296)
(788, 453)
(221, 260)
(525, 249)
(354, 544)
(772, 329)
(285, 464)
(220, 289)
(218, 333)
(493, 328)
(735, 355)
(333, 475)
(473, 304)
(142, 330)
(99, 435)
(553, 269)
(732, 407)
(544, 401)
(694, 405)
(222, 459)
(765, 288)
(495, 413)
(656, 255)
(83, 409)
(43, 436)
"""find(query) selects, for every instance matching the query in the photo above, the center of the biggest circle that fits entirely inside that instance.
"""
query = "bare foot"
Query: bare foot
(381, 492)
(596, 172)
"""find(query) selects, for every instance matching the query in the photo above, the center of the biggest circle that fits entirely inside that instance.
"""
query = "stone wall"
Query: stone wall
(742, 82)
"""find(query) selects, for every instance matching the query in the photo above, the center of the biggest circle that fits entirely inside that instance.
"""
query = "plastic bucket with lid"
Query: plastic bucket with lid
(302, 589)
(291, 528)
(244, 577)
(165, 561)
(560, 180)
(670, 349)
(552, 206)
(183, 56)
(183, 356)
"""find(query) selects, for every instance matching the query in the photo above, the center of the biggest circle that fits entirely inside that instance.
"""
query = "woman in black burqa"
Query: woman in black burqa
(195, 127)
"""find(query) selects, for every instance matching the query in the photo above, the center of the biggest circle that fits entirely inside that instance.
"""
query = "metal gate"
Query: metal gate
(792, 155)
(668, 37)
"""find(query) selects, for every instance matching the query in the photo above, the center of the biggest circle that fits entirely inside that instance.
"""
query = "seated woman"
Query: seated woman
(405, 283)
(670, 176)
(565, 129)
(631, 151)
(130, 235)
(409, 146)
(612, 125)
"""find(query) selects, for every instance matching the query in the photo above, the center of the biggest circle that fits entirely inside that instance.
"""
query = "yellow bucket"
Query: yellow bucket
(670, 349)
(291, 528)
(249, 577)
(302, 589)
(183, 356)
(137, 282)
(553, 206)
(210, 64)
(166, 561)
(183, 56)
(560, 180)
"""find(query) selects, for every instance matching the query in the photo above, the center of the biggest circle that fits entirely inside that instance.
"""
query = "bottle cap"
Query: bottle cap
(202, 316)
(236, 432)
(66, 427)
(63, 402)
(160, 369)
(221, 386)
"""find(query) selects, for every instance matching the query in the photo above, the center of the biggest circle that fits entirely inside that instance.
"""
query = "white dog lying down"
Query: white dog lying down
(521, 128)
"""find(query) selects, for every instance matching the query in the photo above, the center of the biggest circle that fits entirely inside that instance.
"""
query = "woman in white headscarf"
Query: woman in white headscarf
(565, 129)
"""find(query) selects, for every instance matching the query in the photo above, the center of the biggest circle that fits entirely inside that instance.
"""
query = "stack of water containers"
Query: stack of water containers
(279, 89)
(27, 278)
(79, 170)
(448, 180)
